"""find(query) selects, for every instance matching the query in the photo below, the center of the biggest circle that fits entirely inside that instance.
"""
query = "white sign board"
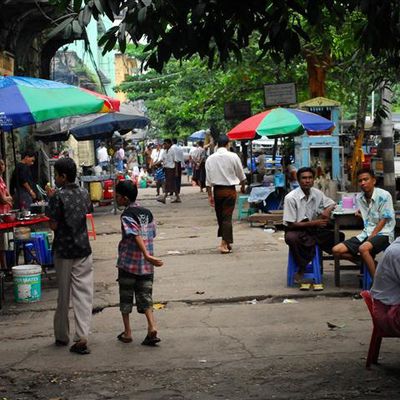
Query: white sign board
(280, 94)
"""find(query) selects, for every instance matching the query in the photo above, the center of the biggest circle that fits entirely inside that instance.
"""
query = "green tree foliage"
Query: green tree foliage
(219, 29)
(188, 96)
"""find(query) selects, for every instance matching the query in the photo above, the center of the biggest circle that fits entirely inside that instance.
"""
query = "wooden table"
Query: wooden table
(342, 219)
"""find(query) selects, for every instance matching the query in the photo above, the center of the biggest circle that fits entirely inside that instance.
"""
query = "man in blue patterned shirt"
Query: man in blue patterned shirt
(375, 206)
(136, 262)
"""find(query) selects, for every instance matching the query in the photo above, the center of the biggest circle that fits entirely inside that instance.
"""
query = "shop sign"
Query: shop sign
(237, 109)
(280, 94)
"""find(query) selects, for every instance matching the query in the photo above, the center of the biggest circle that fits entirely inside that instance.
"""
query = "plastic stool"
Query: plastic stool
(367, 278)
(33, 249)
(312, 271)
(91, 232)
(244, 212)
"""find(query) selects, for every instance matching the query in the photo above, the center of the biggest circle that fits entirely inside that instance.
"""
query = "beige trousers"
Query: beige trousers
(75, 282)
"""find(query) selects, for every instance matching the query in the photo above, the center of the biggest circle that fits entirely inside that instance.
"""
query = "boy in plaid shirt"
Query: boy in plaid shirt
(136, 262)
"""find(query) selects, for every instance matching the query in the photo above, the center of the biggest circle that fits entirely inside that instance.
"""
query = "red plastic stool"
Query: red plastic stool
(377, 332)
(91, 232)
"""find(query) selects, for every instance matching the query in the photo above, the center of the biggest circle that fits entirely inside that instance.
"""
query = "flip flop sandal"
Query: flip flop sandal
(305, 286)
(151, 339)
(318, 287)
(124, 339)
(79, 349)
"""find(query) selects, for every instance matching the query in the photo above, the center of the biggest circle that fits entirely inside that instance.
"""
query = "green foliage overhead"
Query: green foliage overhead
(188, 96)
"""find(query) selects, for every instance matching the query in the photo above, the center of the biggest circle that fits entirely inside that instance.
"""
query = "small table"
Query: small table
(7, 226)
(342, 218)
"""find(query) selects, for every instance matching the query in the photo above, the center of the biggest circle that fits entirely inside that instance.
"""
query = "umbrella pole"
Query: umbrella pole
(115, 184)
(16, 169)
(251, 161)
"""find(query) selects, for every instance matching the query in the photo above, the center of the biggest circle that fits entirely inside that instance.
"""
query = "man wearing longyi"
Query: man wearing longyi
(306, 216)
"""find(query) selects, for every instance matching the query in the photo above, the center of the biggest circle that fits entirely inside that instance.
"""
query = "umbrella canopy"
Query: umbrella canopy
(90, 127)
(280, 122)
(199, 135)
(26, 101)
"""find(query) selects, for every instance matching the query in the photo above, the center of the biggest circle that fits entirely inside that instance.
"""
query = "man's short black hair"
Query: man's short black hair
(366, 170)
(66, 166)
(174, 140)
(200, 143)
(304, 169)
(169, 141)
(28, 153)
(128, 189)
(223, 140)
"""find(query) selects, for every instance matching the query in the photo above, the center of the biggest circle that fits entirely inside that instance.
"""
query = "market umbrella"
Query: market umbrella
(26, 101)
(199, 135)
(279, 122)
(89, 127)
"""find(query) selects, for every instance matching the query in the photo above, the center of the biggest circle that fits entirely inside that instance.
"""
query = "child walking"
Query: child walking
(136, 262)
(67, 211)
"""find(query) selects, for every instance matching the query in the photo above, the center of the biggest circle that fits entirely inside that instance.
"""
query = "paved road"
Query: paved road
(226, 332)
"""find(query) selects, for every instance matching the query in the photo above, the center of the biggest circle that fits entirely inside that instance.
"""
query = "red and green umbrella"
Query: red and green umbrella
(26, 101)
(279, 122)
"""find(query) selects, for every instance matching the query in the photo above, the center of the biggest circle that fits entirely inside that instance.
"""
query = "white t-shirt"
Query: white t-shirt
(102, 154)
(168, 158)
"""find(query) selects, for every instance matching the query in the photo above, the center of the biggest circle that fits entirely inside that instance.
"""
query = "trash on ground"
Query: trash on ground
(254, 301)
(174, 252)
(334, 326)
(200, 292)
(269, 230)
(158, 306)
(290, 301)
(202, 361)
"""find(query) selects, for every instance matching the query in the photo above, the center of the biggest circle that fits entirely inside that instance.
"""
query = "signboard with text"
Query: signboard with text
(280, 94)
(237, 109)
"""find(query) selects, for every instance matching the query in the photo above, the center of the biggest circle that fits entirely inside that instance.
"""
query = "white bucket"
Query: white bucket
(27, 283)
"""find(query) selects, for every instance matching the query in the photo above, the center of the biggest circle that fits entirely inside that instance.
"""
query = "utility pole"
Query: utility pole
(389, 180)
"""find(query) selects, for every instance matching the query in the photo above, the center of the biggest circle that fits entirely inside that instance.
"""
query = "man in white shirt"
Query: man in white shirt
(157, 168)
(179, 160)
(306, 214)
(102, 156)
(199, 161)
(223, 171)
(168, 160)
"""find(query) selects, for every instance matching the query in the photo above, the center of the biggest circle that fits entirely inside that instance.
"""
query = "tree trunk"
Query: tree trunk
(317, 67)
(389, 178)
(356, 161)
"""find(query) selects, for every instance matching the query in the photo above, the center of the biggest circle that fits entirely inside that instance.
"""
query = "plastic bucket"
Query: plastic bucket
(27, 283)
(347, 202)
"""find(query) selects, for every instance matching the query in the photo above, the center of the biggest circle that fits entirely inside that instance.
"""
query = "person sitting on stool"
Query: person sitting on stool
(375, 206)
(306, 214)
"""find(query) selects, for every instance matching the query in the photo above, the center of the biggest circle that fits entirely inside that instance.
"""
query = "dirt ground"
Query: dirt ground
(227, 331)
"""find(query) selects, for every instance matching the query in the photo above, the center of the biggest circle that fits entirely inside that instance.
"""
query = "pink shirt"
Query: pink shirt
(4, 208)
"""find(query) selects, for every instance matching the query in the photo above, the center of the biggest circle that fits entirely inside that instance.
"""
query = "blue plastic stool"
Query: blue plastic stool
(244, 212)
(33, 250)
(312, 272)
(367, 278)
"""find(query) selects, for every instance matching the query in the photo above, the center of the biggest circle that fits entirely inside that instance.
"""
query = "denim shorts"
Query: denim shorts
(138, 286)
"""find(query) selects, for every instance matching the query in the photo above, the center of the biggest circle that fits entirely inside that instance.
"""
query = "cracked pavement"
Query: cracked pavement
(226, 333)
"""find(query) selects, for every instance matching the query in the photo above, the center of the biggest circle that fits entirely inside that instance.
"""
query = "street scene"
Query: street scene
(199, 200)
(225, 328)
